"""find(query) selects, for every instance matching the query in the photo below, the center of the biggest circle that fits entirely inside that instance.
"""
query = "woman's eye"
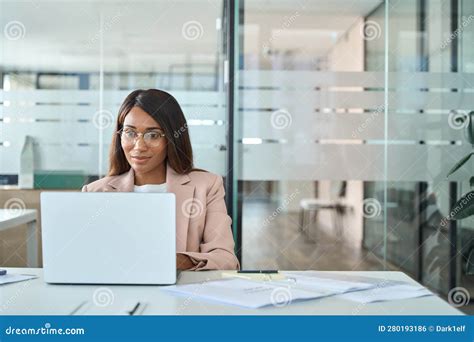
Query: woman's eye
(130, 134)
(153, 135)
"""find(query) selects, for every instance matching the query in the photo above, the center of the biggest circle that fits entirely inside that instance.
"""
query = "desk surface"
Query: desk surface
(14, 217)
(35, 297)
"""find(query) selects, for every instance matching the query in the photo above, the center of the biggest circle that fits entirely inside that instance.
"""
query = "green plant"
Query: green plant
(464, 207)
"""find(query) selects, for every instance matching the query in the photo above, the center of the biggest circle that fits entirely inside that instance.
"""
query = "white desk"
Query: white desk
(37, 298)
(10, 218)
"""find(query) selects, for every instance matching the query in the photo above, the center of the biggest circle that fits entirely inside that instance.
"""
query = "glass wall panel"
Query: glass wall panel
(351, 117)
(312, 135)
(65, 68)
(427, 111)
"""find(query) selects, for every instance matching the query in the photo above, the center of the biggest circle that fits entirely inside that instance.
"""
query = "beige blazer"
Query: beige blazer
(203, 228)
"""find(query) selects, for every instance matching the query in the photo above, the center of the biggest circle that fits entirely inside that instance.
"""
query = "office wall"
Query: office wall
(65, 68)
(67, 97)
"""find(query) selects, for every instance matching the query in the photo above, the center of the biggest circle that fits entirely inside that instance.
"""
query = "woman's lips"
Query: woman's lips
(140, 160)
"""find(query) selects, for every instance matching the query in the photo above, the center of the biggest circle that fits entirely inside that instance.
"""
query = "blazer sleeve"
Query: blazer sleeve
(217, 246)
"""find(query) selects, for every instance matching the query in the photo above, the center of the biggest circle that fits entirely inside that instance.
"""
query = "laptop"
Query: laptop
(109, 238)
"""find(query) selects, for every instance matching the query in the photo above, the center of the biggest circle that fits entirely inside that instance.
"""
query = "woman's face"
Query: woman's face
(141, 156)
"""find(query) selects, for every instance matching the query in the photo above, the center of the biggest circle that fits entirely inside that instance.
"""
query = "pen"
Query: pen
(258, 271)
(78, 308)
(132, 312)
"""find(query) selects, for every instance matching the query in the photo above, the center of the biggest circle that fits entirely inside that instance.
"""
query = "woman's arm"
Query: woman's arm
(217, 246)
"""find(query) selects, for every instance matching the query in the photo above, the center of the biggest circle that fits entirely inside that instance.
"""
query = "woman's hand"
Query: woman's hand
(183, 262)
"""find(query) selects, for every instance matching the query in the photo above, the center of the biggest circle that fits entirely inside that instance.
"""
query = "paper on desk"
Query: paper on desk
(254, 276)
(387, 293)
(13, 278)
(345, 277)
(336, 283)
(246, 293)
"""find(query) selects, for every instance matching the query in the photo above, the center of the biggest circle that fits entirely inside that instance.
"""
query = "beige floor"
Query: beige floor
(280, 244)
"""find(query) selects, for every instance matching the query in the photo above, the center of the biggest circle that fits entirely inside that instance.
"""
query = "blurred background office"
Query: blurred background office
(334, 123)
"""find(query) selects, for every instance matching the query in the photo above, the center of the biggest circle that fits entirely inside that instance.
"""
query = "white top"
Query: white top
(150, 188)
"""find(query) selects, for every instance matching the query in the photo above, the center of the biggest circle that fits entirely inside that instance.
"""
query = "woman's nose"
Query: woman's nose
(140, 144)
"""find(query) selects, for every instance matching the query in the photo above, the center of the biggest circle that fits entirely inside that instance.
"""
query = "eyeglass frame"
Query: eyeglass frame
(142, 134)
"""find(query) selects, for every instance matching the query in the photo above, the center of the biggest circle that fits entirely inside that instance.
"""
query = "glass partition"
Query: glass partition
(312, 135)
(65, 68)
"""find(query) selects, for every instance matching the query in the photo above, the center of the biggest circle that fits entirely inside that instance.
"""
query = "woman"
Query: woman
(151, 152)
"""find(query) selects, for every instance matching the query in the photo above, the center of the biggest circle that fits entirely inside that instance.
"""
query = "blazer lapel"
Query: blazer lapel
(124, 182)
(184, 193)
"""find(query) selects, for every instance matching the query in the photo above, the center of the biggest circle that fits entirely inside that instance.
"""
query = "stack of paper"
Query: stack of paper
(393, 292)
(246, 293)
(359, 288)
(299, 286)
(334, 284)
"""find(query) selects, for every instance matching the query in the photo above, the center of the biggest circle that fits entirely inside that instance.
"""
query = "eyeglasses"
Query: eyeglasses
(151, 138)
